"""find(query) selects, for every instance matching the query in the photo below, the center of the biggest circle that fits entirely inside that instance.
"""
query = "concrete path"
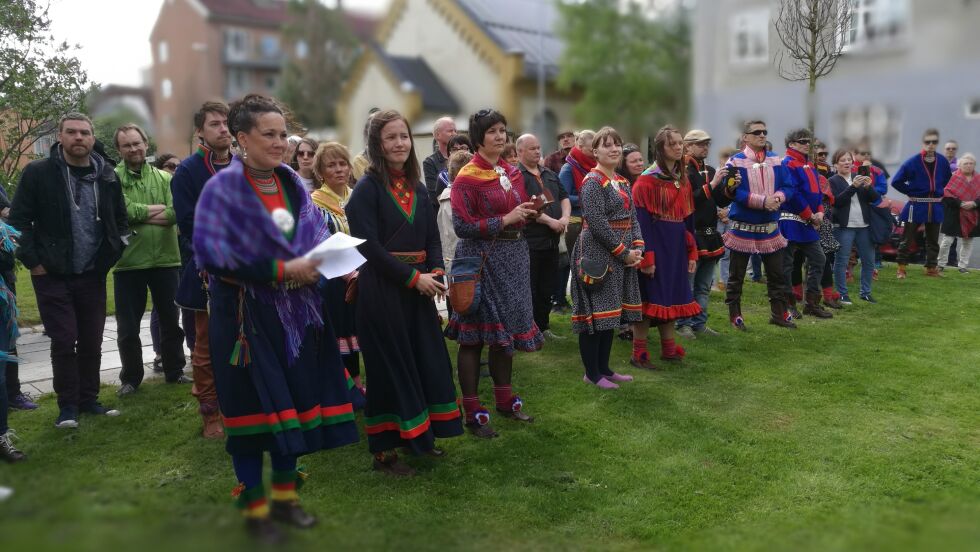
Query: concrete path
(34, 351)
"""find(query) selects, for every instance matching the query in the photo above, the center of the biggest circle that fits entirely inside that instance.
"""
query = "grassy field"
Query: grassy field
(858, 433)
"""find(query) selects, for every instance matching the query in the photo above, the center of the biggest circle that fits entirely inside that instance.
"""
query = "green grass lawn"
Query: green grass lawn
(858, 433)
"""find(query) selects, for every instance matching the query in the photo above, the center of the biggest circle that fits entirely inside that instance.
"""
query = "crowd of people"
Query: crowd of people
(502, 232)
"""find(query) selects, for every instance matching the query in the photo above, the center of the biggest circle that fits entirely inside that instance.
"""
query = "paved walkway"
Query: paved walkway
(34, 351)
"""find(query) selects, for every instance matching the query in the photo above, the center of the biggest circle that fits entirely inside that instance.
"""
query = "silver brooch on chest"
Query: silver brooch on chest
(283, 220)
(504, 181)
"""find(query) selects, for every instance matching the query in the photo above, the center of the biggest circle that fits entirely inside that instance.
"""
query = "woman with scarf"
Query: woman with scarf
(278, 372)
(331, 170)
(664, 202)
(960, 219)
(610, 239)
(490, 208)
(412, 399)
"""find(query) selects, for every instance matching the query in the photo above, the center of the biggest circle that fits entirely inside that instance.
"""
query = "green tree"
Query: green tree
(105, 130)
(321, 51)
(633, 70)
(39, 81)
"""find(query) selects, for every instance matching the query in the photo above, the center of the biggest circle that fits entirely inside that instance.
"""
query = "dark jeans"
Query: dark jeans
(775, 283)
(815, 262)
(186, 323)
(544, 271)
(72, 310)
(130, 292)
(701, 286)
(932, 243)
(826, 281)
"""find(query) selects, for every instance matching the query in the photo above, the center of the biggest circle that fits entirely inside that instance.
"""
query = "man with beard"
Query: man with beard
(70, 211)
(213, 154)
(150, 261)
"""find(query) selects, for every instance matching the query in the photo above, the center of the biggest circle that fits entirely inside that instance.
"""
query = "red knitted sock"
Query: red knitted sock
(470, 405)
(798, 292)
(502, 395)
(640, 348)
(668, 348)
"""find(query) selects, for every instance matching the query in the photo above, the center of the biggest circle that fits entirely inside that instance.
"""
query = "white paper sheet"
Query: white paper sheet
(337, 255)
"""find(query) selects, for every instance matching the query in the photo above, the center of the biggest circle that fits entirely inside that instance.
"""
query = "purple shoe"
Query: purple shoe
(603, 383)
(22, 402)
(619, 377)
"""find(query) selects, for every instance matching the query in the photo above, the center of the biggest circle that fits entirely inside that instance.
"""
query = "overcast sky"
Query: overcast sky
(114, 35)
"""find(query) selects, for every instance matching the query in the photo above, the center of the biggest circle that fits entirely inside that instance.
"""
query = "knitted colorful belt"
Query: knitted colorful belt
(409, 257)
(619, 224)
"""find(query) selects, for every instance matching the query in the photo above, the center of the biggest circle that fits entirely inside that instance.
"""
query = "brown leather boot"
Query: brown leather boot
(901, 275)
(813, 307)
(213, 429)
(779, 316)
(933, 272)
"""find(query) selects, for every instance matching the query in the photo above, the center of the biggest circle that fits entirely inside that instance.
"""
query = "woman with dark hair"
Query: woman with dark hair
(632, 164)
(490, 208)
(610, 239)
(664, 202)
(303, 161)
(412, 399)
(167, 162)
(278, 372)
(331, 171)
(459, 142)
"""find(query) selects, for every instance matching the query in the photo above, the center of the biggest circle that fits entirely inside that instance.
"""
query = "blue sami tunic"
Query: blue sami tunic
(803, 199)
(924, 188)
(762, 176)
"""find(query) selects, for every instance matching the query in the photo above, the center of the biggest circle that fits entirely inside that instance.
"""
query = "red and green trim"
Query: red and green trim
(279, 270)
(413, 279)
(252, 502)
(285, 420)
(444, 412)
(407, 192)
(619, 250)
(410, 429)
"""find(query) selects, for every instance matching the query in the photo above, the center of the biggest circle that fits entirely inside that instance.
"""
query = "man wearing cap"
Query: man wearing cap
(709, 196)
(555, 160)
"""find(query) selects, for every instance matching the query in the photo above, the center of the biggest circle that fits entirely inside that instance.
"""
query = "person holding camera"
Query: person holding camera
(854, 196)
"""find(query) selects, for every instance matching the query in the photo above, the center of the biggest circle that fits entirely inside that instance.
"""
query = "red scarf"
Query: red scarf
(581, 165)
(965, 189)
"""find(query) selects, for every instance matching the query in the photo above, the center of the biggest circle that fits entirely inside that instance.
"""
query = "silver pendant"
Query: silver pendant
(504, 181)
(283, 220)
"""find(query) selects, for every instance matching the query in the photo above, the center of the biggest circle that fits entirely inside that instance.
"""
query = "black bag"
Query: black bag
(882, 224)
(590, 272)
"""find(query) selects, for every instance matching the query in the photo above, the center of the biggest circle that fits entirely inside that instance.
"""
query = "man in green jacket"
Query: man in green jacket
(150, 261)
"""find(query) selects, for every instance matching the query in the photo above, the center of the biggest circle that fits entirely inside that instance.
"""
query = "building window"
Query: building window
(270, 47)
(166, 88)
(973, 109)
(271, 82)
(878, 125)
(163, 52)
(875, 23)
(236, 44)
(236, 83)
(302, 49)
(750, 37)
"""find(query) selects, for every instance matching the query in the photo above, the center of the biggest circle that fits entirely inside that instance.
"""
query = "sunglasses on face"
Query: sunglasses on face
(171, 166)
(803, 142)
(305, 154)
(864, 153)
(760, 132)
(930, 142)
(821, 154)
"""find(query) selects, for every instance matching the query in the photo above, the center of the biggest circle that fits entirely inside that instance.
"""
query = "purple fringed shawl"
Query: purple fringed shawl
(232, 229)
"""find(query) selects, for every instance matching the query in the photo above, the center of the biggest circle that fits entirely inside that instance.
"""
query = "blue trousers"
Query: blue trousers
(848, 237)
(701, 286)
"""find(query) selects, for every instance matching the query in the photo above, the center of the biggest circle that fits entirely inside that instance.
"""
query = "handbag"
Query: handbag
(828, 242)
(882, 224)
(591, 273)
(464, 283)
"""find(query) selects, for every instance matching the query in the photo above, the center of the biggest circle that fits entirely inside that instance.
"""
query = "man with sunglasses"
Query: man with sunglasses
(801, 216)
(922, 178)
(754, 212)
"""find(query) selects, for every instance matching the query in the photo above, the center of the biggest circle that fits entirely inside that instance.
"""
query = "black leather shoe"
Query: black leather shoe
(263, 530)
(291, 513)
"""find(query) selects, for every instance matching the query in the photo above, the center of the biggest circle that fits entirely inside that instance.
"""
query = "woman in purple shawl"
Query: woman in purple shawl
(278, 371)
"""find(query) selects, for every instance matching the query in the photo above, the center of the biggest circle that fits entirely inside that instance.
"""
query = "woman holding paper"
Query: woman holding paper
(411, 399)
(331, 170)
(278, 372)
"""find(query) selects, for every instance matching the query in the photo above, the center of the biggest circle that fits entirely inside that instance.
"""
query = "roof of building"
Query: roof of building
(414, 73)
(273, 13)
(533, 34)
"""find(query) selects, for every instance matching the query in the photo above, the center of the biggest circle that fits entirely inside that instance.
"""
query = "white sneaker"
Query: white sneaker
(686, 332)
(548, 334)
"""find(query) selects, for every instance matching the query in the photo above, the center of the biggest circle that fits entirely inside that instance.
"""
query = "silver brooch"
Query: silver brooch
(504, 181)
(283, 220)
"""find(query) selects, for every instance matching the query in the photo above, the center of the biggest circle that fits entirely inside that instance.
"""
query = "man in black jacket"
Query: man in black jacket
(70, 211)
(709, 196)
(443, 129)
(543, 232)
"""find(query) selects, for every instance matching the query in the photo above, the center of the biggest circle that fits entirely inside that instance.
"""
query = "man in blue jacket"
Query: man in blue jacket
(213, 154)
(799, 219)
(922, 178)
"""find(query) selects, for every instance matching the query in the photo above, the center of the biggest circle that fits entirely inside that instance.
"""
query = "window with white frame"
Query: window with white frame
(876, 23)
(236, 83)
(236, 44)
(166, 88)
(163, 52)
(878, 125)
(973, 109)
(750, 37)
